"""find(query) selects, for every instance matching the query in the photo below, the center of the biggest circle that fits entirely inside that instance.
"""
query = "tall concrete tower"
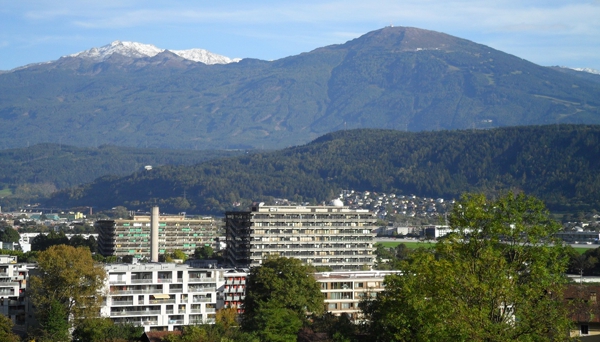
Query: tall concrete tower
(154, 234)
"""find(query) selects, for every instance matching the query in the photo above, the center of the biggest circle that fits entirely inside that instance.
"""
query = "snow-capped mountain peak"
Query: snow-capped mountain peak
(129, 49)
(588, 70)
(204, 56)
(139, 50)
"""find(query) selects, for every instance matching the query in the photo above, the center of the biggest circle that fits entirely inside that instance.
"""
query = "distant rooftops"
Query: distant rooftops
(305, 209)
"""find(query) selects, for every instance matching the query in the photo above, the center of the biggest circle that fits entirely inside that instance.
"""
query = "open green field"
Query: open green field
(426, 244)
(5, 192)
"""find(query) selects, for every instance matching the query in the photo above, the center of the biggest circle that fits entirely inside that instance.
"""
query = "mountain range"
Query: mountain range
(399, 78)
(138, 50)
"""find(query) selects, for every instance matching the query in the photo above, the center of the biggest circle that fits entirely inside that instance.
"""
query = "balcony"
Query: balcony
(201, 280)
(238, 290)
(122, 302)
(135, 313)
(202, 300)
(202, 289)
(162, 301)
(153, 291)
(141, 281)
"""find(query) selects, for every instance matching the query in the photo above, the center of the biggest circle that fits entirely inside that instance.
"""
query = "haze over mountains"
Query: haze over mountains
(398, 78)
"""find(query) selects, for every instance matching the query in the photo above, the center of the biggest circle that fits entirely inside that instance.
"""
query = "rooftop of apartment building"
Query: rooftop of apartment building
(342, 275)
(337, 207)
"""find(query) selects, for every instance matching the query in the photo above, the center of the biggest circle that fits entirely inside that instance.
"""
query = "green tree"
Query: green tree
(279, 294)
(70, 277)
(204, 252)
(499, 278)
(55, 325)
(105, 330)
(6, 333)
(80, 241)
(8, 234)
(176, 254)
(45, 241)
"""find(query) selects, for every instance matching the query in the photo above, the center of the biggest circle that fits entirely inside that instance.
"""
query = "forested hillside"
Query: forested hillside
(557, 163)
(27, 173)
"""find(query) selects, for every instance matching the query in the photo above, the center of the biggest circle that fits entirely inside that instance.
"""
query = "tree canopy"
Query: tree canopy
(68, 276)
(8, 234)
(498, 278)
(6, 333)
(279, 295)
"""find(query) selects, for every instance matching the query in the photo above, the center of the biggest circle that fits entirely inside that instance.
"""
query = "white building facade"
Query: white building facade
(161, 296)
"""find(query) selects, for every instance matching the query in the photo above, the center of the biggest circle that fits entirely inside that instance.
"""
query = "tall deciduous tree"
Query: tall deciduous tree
(70, 277)
(279, 294)
(498, 278)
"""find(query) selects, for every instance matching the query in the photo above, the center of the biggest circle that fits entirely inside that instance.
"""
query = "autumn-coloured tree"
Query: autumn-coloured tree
(6, 333)
(68, 276)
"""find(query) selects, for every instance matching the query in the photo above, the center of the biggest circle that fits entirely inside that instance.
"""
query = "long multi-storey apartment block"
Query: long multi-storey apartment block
(161, 296)
(335, 237)
(132, 237)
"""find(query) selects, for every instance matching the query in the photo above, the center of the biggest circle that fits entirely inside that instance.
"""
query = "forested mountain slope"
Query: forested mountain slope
(26, 173)
(557, 163)
(397, 78)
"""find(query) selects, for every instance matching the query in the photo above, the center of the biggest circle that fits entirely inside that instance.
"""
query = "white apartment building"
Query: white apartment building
(330, 236)
(161, 296)
(13, 283)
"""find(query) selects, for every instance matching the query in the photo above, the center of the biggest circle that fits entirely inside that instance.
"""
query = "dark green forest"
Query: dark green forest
(27, 174)
(557, 163)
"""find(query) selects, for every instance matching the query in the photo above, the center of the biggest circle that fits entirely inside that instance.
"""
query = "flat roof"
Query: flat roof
(350, 275)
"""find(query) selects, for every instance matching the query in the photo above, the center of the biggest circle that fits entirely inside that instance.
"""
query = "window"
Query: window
(333, 306)
(584, 329)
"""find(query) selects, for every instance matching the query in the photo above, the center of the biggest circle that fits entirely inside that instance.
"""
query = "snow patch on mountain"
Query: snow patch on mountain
(590, 70)
(204, 56)
(129, 49)
(139, 50)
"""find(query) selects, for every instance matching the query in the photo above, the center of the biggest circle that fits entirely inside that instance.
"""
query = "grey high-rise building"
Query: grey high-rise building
(334, 237)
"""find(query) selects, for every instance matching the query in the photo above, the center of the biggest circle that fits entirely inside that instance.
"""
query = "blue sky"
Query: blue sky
(549, 32)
